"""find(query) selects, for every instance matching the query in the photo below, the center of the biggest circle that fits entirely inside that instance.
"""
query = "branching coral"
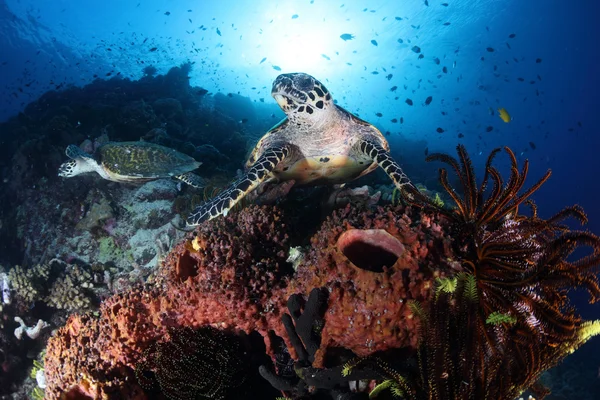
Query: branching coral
(57, 283)
(28, 283)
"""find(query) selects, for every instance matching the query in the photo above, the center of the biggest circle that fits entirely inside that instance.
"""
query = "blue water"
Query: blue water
(45, 44)
(547, 76)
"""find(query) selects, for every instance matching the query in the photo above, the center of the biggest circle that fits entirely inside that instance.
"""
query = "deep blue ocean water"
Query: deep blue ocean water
(540, 60)
(546, 77)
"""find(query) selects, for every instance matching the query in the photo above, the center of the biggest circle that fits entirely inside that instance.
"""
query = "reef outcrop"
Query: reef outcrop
(232, 274)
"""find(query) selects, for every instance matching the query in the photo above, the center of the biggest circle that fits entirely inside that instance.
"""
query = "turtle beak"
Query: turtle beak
(281, 100)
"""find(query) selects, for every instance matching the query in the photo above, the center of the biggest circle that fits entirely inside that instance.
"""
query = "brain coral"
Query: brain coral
(232, 274)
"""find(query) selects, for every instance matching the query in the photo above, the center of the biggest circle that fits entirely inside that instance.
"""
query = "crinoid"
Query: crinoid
(516, 321)
(199, 363)
(521, 263)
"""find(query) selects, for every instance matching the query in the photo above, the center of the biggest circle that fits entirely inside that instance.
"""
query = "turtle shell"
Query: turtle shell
(143, 160)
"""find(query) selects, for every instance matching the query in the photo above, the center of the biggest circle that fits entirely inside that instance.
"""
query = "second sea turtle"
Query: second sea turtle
(132, 162)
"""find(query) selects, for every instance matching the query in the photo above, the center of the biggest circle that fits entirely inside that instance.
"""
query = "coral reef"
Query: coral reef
(232, 273)
(424, 297)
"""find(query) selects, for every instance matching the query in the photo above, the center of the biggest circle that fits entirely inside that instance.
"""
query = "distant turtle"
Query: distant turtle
(317, 143)
(132, 162)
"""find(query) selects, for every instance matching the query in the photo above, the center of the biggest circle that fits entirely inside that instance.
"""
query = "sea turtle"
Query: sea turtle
(133, 162)
(317, 143)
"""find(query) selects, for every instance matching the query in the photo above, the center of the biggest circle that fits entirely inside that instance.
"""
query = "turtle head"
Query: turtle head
(79, 162)
(302, 96)
(68, 169)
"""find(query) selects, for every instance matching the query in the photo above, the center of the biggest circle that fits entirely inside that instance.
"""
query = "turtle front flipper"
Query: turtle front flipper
(382, 158)
(225, 200)
(192, 179)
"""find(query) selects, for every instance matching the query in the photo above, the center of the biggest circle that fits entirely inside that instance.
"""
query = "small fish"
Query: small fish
(218, 32)
(379, 114)
(504, 115)
(436, 60)
(445, 4)
(389, 76)
(325, 57)
(374, 42)
(460, 136)
(426, 3)
(168, 13)
(426, 150)
(428, 100)
(263, 60)
(445, 70)
(489, 129)
(539, 60)
(421, 56)
(490, 49)
(262, 99)
(394, 121)
(375, 72)
(276, 68)
(532, 145)
(512, 36)
(154, 49)
(409, 102)
(295, 16)
(400, 41)
(440, 130)
(446, 23)
(416, 49)
(347, 36)
(398, 19)
(401, 120)
(393, 88)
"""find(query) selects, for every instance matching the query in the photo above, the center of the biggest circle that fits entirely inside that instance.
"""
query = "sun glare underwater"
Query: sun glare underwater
(306, 199)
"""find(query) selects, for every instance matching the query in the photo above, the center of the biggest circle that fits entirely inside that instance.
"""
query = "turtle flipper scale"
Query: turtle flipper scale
(73, 152)
(383, 159)
(192, 179)
(225, 200)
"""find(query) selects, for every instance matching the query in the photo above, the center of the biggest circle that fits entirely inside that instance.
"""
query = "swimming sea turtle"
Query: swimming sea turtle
(317, 143)
(133, 162)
